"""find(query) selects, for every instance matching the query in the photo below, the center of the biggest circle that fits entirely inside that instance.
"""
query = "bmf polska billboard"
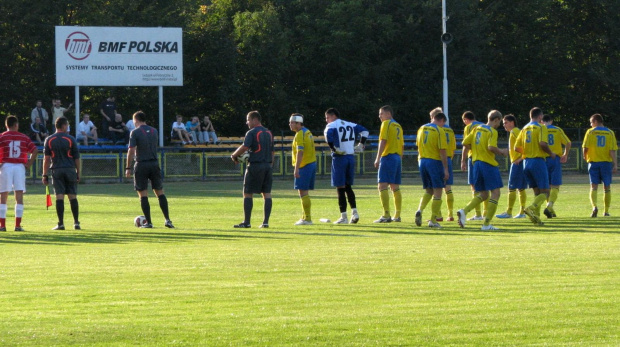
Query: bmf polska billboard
(115, 56)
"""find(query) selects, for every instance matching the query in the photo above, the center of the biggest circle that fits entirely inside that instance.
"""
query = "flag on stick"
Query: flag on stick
(48, 198)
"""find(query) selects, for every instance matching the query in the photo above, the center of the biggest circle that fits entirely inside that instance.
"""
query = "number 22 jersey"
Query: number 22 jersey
(342, 134)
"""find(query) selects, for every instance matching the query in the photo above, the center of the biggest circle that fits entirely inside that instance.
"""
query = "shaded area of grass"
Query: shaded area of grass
(206, 283)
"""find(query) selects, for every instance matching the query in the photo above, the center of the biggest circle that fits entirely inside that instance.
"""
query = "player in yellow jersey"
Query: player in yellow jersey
(556, 139)
(487, 178)
(516, 177)
(532, 144)
(451, 139)
(304, 162)
(600, 151)
(469, 119)
(433, 163)
(389, 163)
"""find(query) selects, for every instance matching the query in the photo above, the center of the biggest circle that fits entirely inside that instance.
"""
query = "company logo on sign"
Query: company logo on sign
(78, 45)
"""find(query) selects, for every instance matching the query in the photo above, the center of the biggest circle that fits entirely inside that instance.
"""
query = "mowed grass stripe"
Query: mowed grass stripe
(205, 283)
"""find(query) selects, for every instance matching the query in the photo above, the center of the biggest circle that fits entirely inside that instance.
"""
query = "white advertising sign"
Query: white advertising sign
(115, 56)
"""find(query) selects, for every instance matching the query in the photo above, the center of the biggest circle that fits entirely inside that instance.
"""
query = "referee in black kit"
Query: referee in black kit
(62, 157)
(259, 172)
(143, 147)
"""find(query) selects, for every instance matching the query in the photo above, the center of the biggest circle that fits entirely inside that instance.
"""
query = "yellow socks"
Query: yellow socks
(305, 205)
(512, 197)
(593, 197)
(491, 209)
(424, 201)
(398, 202)
(538, 201)
(478, 210)
(607, 196)
(553, 196)
(385, 202)
(522, 200)
(436, 209)
(473, 204)
(450, 202)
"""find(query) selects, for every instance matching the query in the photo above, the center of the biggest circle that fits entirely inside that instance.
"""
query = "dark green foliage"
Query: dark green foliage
(284, 56)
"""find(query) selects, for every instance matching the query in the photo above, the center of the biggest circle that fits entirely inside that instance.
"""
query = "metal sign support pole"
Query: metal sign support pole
(161, 116)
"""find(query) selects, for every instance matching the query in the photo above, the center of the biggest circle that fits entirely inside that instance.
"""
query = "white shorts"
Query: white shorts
(12, 177)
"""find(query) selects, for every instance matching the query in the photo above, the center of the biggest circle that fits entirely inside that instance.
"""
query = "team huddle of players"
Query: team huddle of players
(536, 153)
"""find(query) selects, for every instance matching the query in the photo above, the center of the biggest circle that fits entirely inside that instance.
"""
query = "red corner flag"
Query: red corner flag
(48, 197)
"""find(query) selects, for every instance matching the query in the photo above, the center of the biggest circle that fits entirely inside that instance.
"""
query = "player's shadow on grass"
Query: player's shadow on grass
(451, 230)
(95, 237)
(307, 232)
(605, 225)
(434, 232)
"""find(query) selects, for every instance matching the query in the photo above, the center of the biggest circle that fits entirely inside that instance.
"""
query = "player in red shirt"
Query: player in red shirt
(17, 154)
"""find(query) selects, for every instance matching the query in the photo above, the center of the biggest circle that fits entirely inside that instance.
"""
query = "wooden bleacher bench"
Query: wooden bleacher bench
(231, 139)
(224, 145)
(176, 142)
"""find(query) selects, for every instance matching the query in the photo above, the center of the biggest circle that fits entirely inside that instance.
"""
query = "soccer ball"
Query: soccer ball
(244, 158)
(140, 221)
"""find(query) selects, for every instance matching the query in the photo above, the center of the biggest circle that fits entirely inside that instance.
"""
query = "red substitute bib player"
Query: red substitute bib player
(17, 154)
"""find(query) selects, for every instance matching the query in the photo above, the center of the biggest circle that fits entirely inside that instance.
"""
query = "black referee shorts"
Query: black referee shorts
(258, 178)
(64, 181)
(145, 171)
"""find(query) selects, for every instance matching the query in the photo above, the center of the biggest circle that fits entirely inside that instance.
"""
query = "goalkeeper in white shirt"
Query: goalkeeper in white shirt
(340, 136)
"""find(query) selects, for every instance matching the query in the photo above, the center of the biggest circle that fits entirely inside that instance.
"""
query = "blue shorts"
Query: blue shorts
(600, 172)
(343, 170)
(535, 170)
(471, 179)
(487, 176)
(431, 172)
(516, 178)
(450, 180)
(555, 171)
(306, 178)
(390, 168)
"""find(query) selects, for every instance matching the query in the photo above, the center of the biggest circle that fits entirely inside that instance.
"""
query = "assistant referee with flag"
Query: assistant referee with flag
(61, 151)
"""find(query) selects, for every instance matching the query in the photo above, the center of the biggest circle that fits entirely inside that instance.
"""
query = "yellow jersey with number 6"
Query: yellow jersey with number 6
(479, 141)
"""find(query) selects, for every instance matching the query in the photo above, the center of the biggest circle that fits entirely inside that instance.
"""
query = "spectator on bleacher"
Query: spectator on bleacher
(118, 131)
(108, 113)
(59, 111)
(208, 131)
(40, 112)
(86, 129)
(38, 132)
(179, 132)
(193, 128)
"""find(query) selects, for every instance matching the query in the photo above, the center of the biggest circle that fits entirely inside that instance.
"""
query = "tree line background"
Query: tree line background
(284, 56)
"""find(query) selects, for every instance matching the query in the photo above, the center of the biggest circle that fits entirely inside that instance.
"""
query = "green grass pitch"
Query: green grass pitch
(205, 283)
